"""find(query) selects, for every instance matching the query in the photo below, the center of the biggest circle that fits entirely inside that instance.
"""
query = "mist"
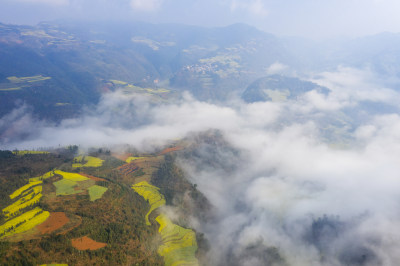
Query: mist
(310, 181)
(310, 18)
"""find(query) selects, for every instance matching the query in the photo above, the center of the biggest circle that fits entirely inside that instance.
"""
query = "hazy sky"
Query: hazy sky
(313, 18)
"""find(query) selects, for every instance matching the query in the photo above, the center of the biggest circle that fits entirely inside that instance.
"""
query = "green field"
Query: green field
(66, 187)
(96, 192)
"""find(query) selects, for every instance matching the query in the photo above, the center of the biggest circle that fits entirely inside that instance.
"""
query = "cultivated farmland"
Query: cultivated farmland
(66, 187)
(87, 161)
(151, 194)
(24, 222)
(179, 244)
(96, 192)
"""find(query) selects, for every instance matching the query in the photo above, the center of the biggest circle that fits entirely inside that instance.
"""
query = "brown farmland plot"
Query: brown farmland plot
(86, 243)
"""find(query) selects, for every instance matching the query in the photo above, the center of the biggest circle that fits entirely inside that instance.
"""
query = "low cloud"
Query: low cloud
(276, 68)
(284, 191)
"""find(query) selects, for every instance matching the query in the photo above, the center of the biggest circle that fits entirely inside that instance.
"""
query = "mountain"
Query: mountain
(58, 67)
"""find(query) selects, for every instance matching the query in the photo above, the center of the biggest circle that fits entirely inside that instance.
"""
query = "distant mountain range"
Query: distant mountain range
(58, 67)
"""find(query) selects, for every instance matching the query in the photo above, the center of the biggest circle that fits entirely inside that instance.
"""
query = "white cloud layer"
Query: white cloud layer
(284, 174)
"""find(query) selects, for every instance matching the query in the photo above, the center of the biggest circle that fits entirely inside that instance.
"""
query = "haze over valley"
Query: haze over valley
(162, 140)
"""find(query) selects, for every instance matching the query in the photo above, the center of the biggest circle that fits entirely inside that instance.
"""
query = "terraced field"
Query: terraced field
(179, 244)
(151, 194)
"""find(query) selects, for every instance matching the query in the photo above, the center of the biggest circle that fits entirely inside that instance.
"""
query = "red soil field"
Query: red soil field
(167, 150)
(85, 243)
(54, 222)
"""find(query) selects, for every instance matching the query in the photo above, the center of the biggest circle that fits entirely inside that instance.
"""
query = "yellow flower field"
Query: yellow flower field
(22, 203)
(71, 176)
(18, 192)
(151, 194)
(24, 222)
(90, 161)
(179, 244)
(20, 153)
(42, 177)
(130, 159)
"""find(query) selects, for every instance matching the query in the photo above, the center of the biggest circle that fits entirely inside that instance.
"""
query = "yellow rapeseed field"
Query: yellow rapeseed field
(24, 222)
(71, 176)
(42, 177)
(90, 161)
(18, 192)
(179, 244)
(29, 152)
(151, 194)
(28, 200)
(130, 159)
